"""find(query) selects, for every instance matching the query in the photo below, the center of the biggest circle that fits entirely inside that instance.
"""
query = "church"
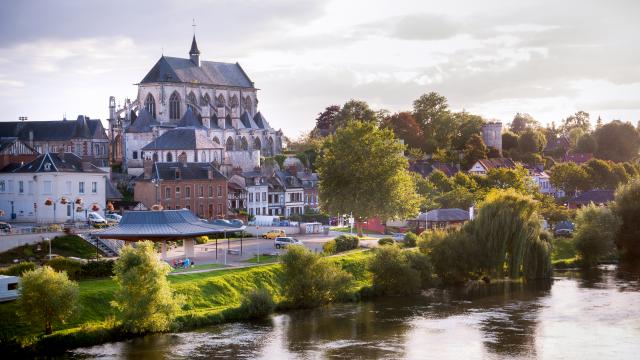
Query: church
(204, 110)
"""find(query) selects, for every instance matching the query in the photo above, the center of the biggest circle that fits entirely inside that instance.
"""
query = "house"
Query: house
(275, 196)
(196, 186)
(482, 166)
(443, 219)
(542, 180)
(293, 192)
(53, 188)
(309, 182)
(557, 146)
(236, 195)
(257, 191)
(577, 158)
(598, 197)
(14, 150)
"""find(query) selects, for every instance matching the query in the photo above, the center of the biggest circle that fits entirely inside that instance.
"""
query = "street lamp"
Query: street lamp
(49, 239)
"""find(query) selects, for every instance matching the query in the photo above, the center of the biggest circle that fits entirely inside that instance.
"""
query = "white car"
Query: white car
(282, 242)
(95, 218)
(115, 218)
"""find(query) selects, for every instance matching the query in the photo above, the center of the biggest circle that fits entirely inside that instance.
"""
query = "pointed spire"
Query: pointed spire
(194, 53)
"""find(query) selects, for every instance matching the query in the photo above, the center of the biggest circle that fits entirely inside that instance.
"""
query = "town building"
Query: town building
(440, 219)
(236, 195)
(482, 166)
(597, 197)
(53, 188)
(218, 99)
(309, 183)
(196, 186)
(14, 150)
(257, 191)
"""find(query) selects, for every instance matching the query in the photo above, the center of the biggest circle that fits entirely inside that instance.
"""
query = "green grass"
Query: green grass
(67, 246)
(263, 259)
(197, 267)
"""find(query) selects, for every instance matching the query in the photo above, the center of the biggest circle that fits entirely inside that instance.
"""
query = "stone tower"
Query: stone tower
(492, 135)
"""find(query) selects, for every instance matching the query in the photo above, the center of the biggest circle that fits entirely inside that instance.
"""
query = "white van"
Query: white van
(95, 218)
(8, 287)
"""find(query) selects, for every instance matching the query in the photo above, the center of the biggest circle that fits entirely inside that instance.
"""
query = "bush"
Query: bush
(19, 269)
(310, 280)
(595, 234)
(329, 247)
(386, 241)
(202, 240)
(392, 272)
(97, 269)
(410, 239)
(257, 304)
(453, 255)
(422, 264)
(73, 268)
(346, 242)
(428, 237)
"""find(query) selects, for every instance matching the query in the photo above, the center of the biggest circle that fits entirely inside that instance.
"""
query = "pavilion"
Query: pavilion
(166, 225)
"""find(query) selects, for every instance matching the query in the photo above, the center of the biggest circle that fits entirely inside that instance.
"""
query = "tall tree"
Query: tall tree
(531, 141)
(326, 120)
(569, 177)
(474, 151)
(596, 228)
(617, 141)
(364, 172)
(509, 140)
(578, 120)
(586, 144)
(522, 122)
(627, 209)
(432, 113)
(405, 127)
(355, 110)
(467, 126)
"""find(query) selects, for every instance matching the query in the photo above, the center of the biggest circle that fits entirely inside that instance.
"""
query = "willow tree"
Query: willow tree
(363, 172)
(507, 228)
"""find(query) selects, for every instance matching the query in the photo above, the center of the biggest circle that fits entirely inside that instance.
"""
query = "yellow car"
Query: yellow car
(273, 234)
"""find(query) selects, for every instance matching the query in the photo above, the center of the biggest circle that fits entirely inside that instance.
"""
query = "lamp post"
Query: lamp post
(49, 239)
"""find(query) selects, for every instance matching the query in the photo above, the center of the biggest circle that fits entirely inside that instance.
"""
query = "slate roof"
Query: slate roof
(188, 171)
(425, 168)
(166, 224)
(182, 139)
(444, 215)
(593, 196)
(189, 119)
(8, 142)
(246, 120)
(54, 130)
(194, 46)
(143, 123)
(287, 179)
(578, 158)
(496, 163)
(179, 70)
(70, 162)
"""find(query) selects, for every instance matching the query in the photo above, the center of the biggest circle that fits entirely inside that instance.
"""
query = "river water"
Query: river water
(575, 316)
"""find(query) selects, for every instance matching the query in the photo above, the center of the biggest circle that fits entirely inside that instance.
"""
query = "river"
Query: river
(575, 316)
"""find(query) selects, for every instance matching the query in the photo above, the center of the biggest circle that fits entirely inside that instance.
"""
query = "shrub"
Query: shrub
(73, 268)
(310, 280)
(19, 269)
(257, 304)
(97, 269)
(595, 234)
(392, 272)
(410, 239)
(47, 297)
(453, 255)
(422, 264)
(346, 242)
(329, 247)
(428, 237)
(386, 241)
(202, 240)
(628, 211)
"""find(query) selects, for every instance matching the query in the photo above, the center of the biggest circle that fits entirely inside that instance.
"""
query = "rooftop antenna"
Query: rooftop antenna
(194, 26)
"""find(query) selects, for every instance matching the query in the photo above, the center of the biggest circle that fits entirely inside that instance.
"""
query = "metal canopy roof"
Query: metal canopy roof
(162, 225)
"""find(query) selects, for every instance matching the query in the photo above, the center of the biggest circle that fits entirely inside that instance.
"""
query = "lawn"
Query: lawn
(563, 248)
(198, 267)
(264, 259)
(67, 246)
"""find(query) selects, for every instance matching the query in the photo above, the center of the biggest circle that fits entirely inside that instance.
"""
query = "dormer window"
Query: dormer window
(47, 167)
(177, 174)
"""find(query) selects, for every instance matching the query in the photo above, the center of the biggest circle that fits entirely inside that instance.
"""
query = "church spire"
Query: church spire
(194, 53)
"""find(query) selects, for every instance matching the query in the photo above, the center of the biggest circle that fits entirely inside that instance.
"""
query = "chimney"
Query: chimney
(148, 168)
(237, 170)
(86, 163)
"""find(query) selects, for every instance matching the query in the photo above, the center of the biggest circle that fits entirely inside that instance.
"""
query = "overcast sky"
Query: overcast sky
(493, 58)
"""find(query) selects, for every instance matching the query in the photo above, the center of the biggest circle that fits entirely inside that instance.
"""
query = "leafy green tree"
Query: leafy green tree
(309, 280)
(359, 158)
(627, 208)
(405, 127)
(467, 125)
(569, 177)
(474, 151)
(355, 110)
(440, 180)
(600, 174)
(578, 120)
(144, 299)
(586, 144)
(47, 297)
(522, 122)
(326, 120)
(393, 273)
(432, 113)
(596, 229)
(509, 140)
(502, 178)
(458, 197)
(617, 141)
(464, 180)
(454, 255)
(531, 141)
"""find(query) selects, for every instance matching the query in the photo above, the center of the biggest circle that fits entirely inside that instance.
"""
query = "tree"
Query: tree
(360, 158)
(578, 120)
(468, 125)
(144, 299)
(509, 140)
(586, 144)
(47, 297)
(522, 122)
(405, 127)
(326, 120)
(617, 141)
(429, 107)
(438, 126)
(355, 110)
(503, 178)
(531, 141)
(569, 177)
(600, 174)
(440, 180)
(596, 229)
(627, 208)
(392, 272)
(474, 151)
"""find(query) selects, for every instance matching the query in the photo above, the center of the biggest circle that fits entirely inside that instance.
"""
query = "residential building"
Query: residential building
(236, 195)
(440, 219)
(197, 186)
(542, 180)
(52, 188)
(275, 196)
(597, 197)
(482, 166)
(14, 150)
(257, 193)
(309, 183)
(293, 192)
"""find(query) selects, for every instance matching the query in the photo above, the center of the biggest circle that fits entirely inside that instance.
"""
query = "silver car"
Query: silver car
(282, 242)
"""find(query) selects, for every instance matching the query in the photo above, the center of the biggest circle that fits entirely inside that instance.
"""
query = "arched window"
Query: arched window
(229, 144)
(150, 105)
(204, 157)
(257, 145)
(216, 140)
(207, 99)
(191, 101)
(233, 103)
(220, 101)
(174, 106)
(244, 145)
(169, 157)
(248, 105)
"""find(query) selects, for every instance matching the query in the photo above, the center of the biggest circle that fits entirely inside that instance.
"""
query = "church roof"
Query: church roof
(194, 47)
(189, 119)
(246, 120)
(260, 121)
(182, 139)
(179, 70)
(55, 130)
(143, 123)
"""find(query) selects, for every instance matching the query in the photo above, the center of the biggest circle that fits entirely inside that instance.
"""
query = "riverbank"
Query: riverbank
(211, 298)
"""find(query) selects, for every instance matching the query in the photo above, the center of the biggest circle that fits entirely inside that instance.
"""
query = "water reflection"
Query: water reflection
(579, 315)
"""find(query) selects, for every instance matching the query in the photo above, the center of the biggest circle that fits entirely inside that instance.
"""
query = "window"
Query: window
(150, 105)
(21, 187)
(2, 186)
(174, 106)
(187, 191)
(219, 191)
(177, 174)
(67, 188)
(10, 186)
(167, 193)
(250, 197)
(46, 187)
(169, 157)
(201, 213)
(204, 157)
(94, 187)
(210, 191)
(81, 187)
(79, 149)
(220, 209)
(191, 100)
(264, 196)
(177, 191)
(47, 167)
(30, 187)
(201, 191)
(258, 211)
(135, 155)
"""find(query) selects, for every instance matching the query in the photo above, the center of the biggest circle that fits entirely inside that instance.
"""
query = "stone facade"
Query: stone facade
(492, 135)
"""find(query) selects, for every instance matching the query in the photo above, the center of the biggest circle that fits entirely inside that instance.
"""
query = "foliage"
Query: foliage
(405, 126)
(309, 280)
(257, 304)
(432, 113)
(355, 110)
(326, 120)
(474, 150)
(202, 239)
(392, 272)
(569, 176)
(586, 144)
(97, 269)
(531, 141)
(467, 125)
(454, 255)
(617, 141)
(522, 122)
(346, 242)
(627, 208)
(329, 247)
(73, 268)
(386, 241)
(537, 262)
(596, 229)
(410, 239)
(578, 120)
(280, 158)
(18, 269)
(144, 300)
(361, 157)
(47, 297)
(509, 140)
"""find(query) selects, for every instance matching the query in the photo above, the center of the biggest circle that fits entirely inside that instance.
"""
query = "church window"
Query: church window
(257, 145)
(229, 144)
(220, 101)
(244, 144)
(248, 105)
(150, 105)
(174, 106)
(191, 101)
(207, 99)
(216, 140)
(169, 157)
(233, 103)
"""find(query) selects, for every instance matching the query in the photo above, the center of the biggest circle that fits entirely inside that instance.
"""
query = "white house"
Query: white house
(257, 190)
(542, 180)
(482, 166)
(53, 188)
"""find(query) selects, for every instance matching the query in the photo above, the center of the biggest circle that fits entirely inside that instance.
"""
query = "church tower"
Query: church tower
(194, 53)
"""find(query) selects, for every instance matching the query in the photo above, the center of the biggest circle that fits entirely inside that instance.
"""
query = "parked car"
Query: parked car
(113, 218)
(282, 242)
(273, 234)
(564, 232)
(397, 236)
(96, 220)
(5, 227)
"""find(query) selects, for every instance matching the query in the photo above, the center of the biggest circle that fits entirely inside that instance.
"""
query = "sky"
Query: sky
(492, 58)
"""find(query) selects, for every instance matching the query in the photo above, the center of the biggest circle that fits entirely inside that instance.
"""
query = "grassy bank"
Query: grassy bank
(211, 297)
(67, 246)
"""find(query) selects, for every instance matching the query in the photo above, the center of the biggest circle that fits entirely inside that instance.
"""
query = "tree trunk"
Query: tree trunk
(359, 228)
(47, 328)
